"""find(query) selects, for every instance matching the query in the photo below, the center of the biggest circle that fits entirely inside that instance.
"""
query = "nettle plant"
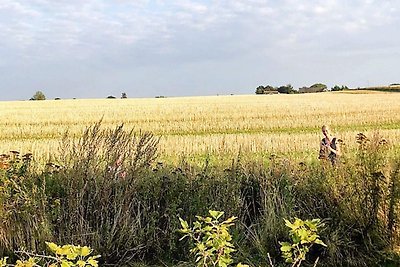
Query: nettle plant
(212, 240)
(303, 235)
(64, 256)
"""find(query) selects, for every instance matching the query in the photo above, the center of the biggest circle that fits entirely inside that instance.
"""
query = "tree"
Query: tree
(260, 90)
(269, 88)
(339, 88)
(265, 89)
(124, 95)
(286, 89)
(38, 96)
(319, 86)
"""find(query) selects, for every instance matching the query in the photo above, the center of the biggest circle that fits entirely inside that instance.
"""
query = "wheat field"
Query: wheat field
(218, 125)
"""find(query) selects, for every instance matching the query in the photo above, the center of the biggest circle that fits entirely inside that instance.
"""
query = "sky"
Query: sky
(148, 48)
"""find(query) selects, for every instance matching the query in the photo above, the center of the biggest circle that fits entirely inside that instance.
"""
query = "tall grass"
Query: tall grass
(108, 189)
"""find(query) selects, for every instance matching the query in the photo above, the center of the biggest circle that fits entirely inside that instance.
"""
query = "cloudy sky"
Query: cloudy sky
(96, 48)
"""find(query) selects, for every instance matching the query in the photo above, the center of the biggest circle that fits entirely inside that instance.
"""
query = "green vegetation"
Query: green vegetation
(381, 89)
(303, 234)
(212, 240)
(108, 190)
(38, 96)
(266, 89)
(286, 89)
(64, 256)
(339, 88)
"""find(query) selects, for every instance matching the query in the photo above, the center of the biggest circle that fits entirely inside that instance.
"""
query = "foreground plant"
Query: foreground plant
(64, 256)
(212, 239)
(303, 235)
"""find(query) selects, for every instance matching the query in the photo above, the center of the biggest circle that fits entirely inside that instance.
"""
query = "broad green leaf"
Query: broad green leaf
(312, 238)
(303, 234)
(64, 250)
(92, 262)
(289, 260)
(208, 220)
(81, 263)
(298, 223)
(197, 225)
(311, 225)
(289, 224)
(207, 228)
(72, 255)
(296, 239)
(184, 223)
(201, 246)
(52, 246)
(85, 251)
(216, 214)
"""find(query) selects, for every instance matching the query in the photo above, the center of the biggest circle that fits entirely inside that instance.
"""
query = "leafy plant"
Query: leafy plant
(303, 235)
(212, 239)
(65, 256)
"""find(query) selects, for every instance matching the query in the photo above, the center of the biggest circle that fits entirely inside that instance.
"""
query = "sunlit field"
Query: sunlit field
(217, 125)
(110, 189)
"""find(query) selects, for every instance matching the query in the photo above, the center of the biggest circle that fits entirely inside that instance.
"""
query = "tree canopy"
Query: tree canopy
(38, 96)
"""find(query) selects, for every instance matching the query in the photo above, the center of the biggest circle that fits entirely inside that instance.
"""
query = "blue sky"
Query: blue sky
(94, 48)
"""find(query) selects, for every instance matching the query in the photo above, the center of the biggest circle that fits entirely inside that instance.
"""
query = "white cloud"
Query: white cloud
(180, 33)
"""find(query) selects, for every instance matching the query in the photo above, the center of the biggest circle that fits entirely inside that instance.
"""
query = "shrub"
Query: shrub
(212, 239)
(303, 234)
(67, 255)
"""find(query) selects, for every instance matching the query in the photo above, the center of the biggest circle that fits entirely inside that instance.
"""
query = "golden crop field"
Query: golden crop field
(218, 125)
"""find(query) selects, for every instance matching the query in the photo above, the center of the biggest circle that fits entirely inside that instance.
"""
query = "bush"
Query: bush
(67, 255)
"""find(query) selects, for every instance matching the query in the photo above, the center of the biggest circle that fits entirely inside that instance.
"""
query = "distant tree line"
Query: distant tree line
(39, 95)
(288, 89)
(284, 89)
(339, 88)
